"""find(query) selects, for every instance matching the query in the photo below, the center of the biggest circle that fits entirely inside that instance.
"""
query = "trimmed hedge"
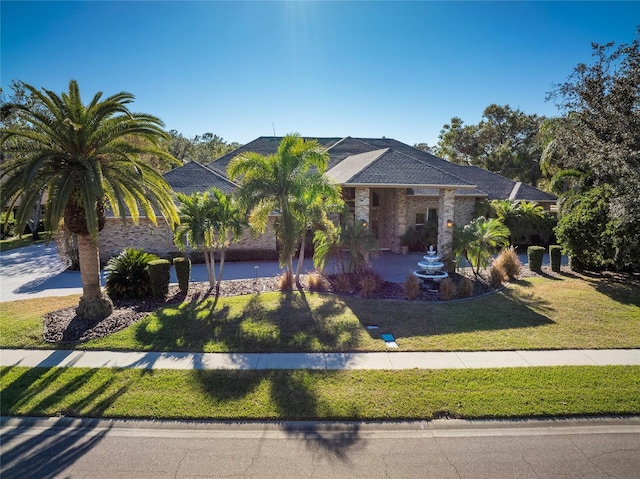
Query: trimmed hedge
(555, 255)
(535, 255)
(159, 274)
(183, 272)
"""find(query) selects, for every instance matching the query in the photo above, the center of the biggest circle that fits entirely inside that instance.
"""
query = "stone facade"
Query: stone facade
(394, 213)
(446, 210)
(117, 236)
(362, 204)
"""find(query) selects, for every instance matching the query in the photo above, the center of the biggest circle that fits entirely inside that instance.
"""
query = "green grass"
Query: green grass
(533, 313)
(20, 241)
(323, 395)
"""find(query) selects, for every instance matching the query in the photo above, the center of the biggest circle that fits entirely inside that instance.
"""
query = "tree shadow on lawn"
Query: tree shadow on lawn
(622, 288)
(49, 452)
(289, 325)
(294, 398)
(507, 309)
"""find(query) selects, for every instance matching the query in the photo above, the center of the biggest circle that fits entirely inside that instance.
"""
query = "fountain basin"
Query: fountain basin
(431, 265)
(430, 275)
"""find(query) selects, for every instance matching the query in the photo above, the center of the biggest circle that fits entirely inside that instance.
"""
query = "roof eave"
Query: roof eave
(410, 185)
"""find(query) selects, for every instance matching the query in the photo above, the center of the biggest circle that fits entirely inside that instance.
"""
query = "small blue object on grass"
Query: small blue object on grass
(389, 340)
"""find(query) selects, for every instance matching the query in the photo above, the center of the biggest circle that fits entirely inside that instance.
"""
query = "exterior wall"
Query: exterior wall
(401, 218)
(159, 239)
(385, 216)
(362, 204)
(446, 210)
(419, 204)
(464, 207)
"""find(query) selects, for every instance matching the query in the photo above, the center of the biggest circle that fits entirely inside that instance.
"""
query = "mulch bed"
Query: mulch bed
(64, 326)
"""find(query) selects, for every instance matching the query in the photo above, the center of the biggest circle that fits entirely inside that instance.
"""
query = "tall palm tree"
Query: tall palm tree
(319, 198)
(229, 223)
(273, 183)
(210, 221)
(82, 158)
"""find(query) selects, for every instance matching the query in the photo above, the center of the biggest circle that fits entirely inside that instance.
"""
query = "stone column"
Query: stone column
(445, 213)
(362, 205)
(401, 218)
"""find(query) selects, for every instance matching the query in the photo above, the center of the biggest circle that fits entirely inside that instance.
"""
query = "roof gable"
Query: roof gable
(388, 167)
(352, 165)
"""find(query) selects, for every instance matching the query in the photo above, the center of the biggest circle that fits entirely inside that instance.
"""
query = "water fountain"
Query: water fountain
(431, 268)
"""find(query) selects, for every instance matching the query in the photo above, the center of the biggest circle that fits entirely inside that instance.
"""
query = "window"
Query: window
(429, 216)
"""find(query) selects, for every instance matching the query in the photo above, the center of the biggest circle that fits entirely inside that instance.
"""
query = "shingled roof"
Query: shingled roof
(193, 176)
(385, 161)
(388, 167)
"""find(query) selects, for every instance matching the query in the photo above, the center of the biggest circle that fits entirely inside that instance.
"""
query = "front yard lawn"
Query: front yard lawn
(532, 313)
(321, 395)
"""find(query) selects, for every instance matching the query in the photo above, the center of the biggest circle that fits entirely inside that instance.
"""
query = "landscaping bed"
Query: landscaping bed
(62, 325)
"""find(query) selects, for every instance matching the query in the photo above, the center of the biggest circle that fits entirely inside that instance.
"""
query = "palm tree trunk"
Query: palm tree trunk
(93, 303)
(210, 263)
(221, 270)
(301, 256)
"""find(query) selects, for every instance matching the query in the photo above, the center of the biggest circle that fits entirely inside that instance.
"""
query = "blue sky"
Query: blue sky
(369, 69)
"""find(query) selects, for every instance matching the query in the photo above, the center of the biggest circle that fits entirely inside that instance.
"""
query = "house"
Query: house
(387, 184)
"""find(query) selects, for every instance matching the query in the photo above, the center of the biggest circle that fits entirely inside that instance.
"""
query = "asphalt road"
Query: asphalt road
(579, 448)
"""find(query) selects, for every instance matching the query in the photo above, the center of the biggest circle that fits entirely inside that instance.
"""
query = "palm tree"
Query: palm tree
(209, 221)
(476, 240)
(520, 216)
(82, 158)
(229, 223)
(273, 183)
(196, 228)
(354, 237)
(319, 198)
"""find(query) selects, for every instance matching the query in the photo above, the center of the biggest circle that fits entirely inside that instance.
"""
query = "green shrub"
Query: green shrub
(412, 287)
(509, 263)
(555, 255)
(127, 274)
(183, 272)
(534, 255)
(419, 239)
(159, 274)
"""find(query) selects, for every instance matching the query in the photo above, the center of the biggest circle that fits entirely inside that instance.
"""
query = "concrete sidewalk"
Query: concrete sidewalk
(320, 361)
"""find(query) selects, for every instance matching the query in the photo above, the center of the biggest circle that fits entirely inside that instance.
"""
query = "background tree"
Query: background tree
(203, 148)
(81, 157)
(18, 95)
(275, 183)
(423, 147)
(599, 136)
(505, 141)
